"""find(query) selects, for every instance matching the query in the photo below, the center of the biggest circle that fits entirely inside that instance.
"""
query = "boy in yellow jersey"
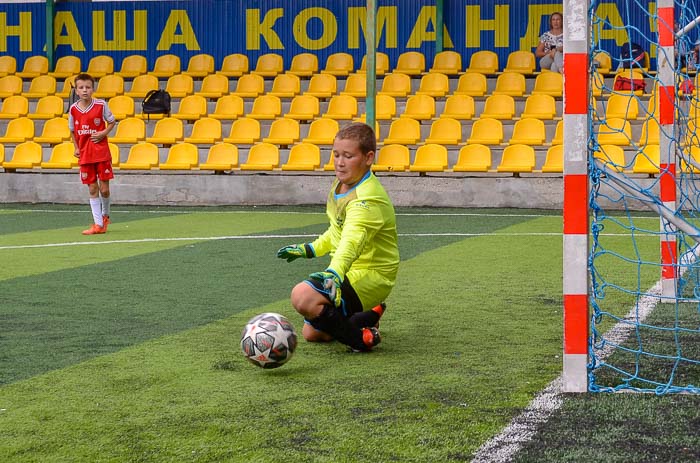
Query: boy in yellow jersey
(345, 301)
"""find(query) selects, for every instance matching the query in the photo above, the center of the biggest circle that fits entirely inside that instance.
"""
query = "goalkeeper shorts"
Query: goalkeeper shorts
(361, 289)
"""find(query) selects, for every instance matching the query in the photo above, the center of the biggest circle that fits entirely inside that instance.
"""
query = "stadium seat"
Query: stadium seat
(483, 62)
(244, 131)
(8, 65)
(381, 64)
(142, 156)
(221, 157)
(200, 66)
(141, 85)
(265, 107)
(129, 131)
(510, 83)
(392, 158)
(339, 64)
(262, 156)
(322, 86)
(473, 158)
(558, 138)
(403, 131)
(213, 86)
(650, 134)
(614, 131)
(181, 156)
(528, 131)
(40, 86)
(285, 86)
(167, 131)
(445, 131)
(109, 86)
(249, 86)
(234, 65)
(191, 108)
(322, 131)
(549, 83)
(355, 85)
(460, 107)
(396, 85)
(100, 66)
(304, 65)
(122, 106)
(447, 62)
(341, 107)
(54, 131)
(540, 105)
(179, 86)
(521, 61)
(18, 130)
(613, 156)
(647, 160)
(430, 158)
(604, 62)
(47, 107)
(205, 131)
(597, 83)
(486, 131)
(34, 66)
(472, 84)
(419, 107)
(385, 109)
(114, 151)
(269, 65)
(303, 108)
(434, 84)
(166, 66)
(499, 107)
(66, 66)
(554, 160)
(9, 86)
(622, 106)
(62, 157)
(26, 155)
(411, 63)
(303, 157)
(516, 159)
(228, 107)
(283, 132)
(17, 106)
(692, 164)
(133, 66)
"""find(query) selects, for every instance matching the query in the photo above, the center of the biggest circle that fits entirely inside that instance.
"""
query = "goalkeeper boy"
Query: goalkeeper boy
(345, 301)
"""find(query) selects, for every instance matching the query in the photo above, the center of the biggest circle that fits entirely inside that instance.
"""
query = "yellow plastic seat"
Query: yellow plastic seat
(554, 160)
(392, 158)
(17, 106)
(339, 64)
(285, 86)
(62, 157)
(341, 107)
(499, 107)
(355, 85)
(540, 106)
(483, 62)
(133, 66)
(385, 109)
(612, 156)
(303, 108)
(114, 151)
(234, 65)
(322, 86)
(191, 108)
(221, 157)
(528, 131)
(100, 66)
(472, 84)
(129, 131)
(430, 158)
(262, 156)
(109, 86)
(244, 131)
(8, 65)
(179, 86)
(249, 86)
(228, 107)
(447, 62)
(473, 158)
(396, 85)
(419, 107)
(182, 156)
(434, 84)
(520, 61)
(460, 107)
(9, 86)
(34, 66)
(142, 156)
(303, 65)
(622, 106)
(18, 130)
(122, 106)
(141, 85)
(322, 131)
(205, 131)
(558, 138)
(650, 134)
(614, 131)
(381, 64)
(403, 131)
(516, 159)
(167, 131)
(647, 160)
(269, 65)
(200, 66)
(265, 107)
(303, 157)
(486, 131)
(411, 63)
(549, 83)
(213, 86)
(47, 107)
(66, 66)
(68, 84)
(26, 155)
(445, 131)
(330, 165)
(604, 61)
(597, 83)
(690, 161)
(41, 86)
(166, 66)
(54, 131)
(283, 132)
(510, 83)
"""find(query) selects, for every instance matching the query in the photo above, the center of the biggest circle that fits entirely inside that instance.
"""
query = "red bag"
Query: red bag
(625, 83)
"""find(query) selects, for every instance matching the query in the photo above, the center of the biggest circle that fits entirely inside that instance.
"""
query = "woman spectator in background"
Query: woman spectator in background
(550, 50)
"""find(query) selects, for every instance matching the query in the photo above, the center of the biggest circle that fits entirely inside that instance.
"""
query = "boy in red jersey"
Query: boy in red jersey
(90, 121)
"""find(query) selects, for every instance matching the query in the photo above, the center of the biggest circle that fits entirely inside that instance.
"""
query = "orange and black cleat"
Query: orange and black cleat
(94, 230)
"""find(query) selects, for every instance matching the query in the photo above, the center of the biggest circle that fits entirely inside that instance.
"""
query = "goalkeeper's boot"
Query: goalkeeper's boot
(105, 222)
(379, 310)
(371, 337)
(94, 230)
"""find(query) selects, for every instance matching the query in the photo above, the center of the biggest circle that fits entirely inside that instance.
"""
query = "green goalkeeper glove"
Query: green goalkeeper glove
(331, 282)
(295, 251)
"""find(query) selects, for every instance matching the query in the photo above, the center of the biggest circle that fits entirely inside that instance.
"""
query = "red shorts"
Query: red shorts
(89, 173)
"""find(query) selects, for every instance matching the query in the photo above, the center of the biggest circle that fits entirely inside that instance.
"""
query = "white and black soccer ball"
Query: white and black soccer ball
(268, 340)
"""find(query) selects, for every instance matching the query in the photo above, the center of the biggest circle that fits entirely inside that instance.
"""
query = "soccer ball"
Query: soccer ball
(268, 340)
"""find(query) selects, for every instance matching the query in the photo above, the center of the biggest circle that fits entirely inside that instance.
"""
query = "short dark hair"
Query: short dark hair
(85, 76)
(361, 133)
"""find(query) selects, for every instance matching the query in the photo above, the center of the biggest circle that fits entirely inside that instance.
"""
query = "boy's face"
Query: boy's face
(83, 88)
(350, 164)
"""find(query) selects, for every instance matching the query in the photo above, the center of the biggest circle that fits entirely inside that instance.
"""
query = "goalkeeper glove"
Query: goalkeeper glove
(295, 251)
(331, 282)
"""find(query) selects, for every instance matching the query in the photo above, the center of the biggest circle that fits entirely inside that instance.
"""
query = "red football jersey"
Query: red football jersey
(85, 122)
